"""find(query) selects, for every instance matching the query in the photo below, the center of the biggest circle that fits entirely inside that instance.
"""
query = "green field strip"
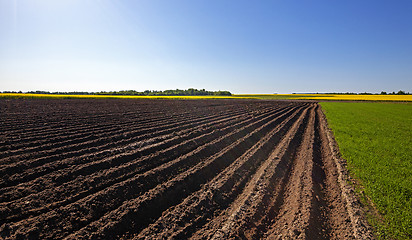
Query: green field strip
(376, 140)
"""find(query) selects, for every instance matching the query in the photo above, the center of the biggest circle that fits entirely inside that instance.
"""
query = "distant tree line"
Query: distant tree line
(177, 92)
(400, 92)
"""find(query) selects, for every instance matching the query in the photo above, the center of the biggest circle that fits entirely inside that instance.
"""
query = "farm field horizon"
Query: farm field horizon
(318, 97)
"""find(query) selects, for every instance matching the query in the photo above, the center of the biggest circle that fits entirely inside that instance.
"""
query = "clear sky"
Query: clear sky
(240, 46)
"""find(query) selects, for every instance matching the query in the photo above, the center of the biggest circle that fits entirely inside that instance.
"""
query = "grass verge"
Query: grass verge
(376, 140)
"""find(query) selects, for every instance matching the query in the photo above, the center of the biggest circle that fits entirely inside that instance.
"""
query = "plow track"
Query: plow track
(144, 169)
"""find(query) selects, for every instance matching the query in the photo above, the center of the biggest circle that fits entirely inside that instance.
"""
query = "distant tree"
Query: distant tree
(400, 92)
(383, 93)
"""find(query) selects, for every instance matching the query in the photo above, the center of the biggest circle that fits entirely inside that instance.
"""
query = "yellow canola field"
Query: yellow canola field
(28, 95)
(340, 97)
(332, 97)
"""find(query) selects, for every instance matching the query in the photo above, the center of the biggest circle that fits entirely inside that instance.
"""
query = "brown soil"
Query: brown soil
(155, 169)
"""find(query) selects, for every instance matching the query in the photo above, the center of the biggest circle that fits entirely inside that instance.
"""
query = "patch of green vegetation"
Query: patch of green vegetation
(376, 140)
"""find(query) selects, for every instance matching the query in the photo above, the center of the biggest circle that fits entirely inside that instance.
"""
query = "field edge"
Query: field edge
(358, 212)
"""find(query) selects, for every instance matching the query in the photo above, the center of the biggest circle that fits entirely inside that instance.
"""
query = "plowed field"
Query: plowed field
(134, 169)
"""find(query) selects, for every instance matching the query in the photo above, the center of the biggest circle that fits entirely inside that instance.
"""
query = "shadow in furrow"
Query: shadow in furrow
(318, 228)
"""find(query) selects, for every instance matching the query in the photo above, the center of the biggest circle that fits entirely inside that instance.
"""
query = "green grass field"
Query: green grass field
(376, 140)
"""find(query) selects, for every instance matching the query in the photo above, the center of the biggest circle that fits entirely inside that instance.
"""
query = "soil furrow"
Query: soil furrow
(78, 126)
(120, 158)
(148, 147)
(67, 124)
(181, 221)
(93, 206)
(76, 112)
(141, 118)
(239, 220)
(297, 201)
(131, 131)
(33, 136)
(69, 187)
(31, 116)
(134, 138)
(154, 202)
(98, 136)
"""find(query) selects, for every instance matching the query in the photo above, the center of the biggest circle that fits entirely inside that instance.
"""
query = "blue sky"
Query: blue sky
(240, 46)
